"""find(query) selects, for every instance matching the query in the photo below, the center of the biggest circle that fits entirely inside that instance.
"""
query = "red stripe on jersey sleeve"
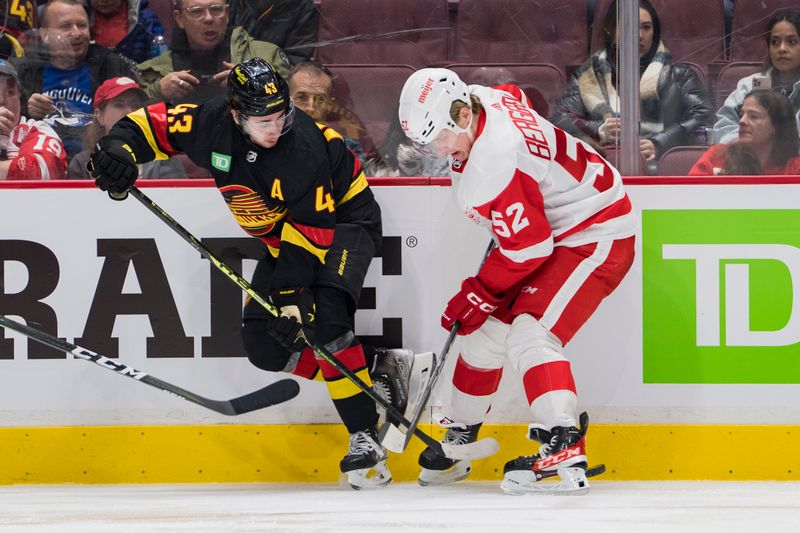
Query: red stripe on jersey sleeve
(321, 237)
(522, 231)
(158, 122)
(476, 381)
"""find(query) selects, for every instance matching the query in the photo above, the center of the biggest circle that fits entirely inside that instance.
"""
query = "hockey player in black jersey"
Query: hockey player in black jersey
(292, 184)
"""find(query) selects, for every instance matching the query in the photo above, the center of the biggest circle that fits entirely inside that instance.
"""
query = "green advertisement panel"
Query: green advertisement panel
(721, 296)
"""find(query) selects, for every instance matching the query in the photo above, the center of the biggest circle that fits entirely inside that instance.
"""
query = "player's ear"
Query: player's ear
(235, 116)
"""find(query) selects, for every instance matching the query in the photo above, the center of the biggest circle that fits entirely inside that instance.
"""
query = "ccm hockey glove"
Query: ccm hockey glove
(113, 168)
(470, 307)
(296, 320)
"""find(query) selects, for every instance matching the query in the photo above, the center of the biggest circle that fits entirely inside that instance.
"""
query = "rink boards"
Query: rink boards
(684, 370)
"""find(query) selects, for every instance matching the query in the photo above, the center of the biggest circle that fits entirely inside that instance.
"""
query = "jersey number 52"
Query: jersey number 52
(513, 215)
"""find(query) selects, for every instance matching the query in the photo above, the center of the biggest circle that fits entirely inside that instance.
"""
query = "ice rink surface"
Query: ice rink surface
(613, 507)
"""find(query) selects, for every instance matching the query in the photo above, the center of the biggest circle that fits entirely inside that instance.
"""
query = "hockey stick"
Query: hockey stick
(474, 450)
(277, 392)
(396, 440)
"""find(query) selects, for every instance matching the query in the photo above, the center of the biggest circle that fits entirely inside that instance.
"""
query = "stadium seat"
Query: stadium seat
(521, 31)
(411, 32)
(691, 37)
(163, 8)
(750, 17)
(679, 160)
(372, 93)
(542, 82)
(729, 76)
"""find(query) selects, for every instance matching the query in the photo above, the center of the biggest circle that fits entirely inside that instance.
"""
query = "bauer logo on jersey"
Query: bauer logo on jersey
(250, 211)
(721, 296)
(221, 162)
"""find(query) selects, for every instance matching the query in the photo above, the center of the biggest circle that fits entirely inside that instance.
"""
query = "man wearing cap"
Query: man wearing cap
(114, 99)
(29, 149)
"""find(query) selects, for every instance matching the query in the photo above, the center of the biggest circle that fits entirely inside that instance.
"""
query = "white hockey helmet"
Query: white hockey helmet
(425, 103)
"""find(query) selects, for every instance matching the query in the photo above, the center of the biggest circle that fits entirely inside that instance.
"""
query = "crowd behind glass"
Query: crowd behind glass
(719, 87)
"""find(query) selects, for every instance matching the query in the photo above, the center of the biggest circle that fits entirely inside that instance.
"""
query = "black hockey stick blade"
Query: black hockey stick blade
(472, 450)
(592, 471)
(272, 394)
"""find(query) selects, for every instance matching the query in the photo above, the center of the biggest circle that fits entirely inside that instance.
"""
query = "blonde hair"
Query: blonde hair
(458, 105)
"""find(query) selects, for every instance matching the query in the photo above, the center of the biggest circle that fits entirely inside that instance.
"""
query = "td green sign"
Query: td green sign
(721, 296)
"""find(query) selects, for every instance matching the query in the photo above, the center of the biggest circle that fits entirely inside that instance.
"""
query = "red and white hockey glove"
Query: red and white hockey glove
(470, 307)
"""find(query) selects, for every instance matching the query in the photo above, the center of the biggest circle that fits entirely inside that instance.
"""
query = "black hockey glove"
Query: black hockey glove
(113, 168)
(296, 321)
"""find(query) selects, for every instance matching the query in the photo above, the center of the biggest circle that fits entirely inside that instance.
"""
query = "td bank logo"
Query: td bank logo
(721, 296)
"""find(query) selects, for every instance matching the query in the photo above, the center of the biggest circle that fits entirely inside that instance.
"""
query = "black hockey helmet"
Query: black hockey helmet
(256, 89)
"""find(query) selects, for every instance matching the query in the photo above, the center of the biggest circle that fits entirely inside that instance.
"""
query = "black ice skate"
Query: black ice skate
(391, 375)
(562, 454)
(365, 462)
(438, 470)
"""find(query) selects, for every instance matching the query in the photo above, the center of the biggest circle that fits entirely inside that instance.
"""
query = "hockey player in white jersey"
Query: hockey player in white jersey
(564, 232)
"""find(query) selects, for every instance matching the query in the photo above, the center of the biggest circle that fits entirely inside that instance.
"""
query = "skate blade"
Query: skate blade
(455, 473)
(572, 481)
(369, 478)
(390, 435)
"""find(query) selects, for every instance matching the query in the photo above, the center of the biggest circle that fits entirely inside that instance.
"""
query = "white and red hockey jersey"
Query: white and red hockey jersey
(536, 187)
(36, 152)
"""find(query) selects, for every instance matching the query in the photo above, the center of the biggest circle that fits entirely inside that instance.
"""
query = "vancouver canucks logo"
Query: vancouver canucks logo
(250, 210)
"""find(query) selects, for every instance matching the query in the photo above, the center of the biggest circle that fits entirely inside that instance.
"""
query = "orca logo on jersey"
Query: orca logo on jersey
(426, 90)
(250, 210)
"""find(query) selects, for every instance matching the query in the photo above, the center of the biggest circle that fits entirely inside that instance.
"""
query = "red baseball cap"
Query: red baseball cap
(115, 87)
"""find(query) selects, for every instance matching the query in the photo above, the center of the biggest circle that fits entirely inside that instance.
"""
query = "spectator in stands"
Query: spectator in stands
(397, 156)
(67, 70)
(113, 100)
(673, 101)
(128, 27)
(311, 89)
(203, 51)
(29, 149)
(781, 73)
(768, 140)
(60, 78)
(289, 24)
(16, 27)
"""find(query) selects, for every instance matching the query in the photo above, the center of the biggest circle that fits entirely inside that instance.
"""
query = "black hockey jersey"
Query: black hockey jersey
(290, 196)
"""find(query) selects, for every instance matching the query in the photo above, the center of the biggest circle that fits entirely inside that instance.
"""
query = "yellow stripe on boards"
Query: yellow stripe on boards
(310, 453)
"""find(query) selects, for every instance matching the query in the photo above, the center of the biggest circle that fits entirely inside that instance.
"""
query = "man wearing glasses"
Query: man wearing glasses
(202, 52)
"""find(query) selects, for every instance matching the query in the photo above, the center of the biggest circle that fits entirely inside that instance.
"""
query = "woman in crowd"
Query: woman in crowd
(114, 99)
(768, 140)
(673, 101)
(781, 73)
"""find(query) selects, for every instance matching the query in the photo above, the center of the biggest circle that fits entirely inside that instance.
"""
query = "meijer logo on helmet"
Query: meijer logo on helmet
(721, 296)
(426, 90)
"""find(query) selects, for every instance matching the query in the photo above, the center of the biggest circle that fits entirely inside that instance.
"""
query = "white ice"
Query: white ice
(613, 507)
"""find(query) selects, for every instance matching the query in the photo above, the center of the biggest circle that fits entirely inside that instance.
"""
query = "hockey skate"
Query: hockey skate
(562, 455)
(391, 375)
(438, 470)
(417, 368)
(365, 462)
